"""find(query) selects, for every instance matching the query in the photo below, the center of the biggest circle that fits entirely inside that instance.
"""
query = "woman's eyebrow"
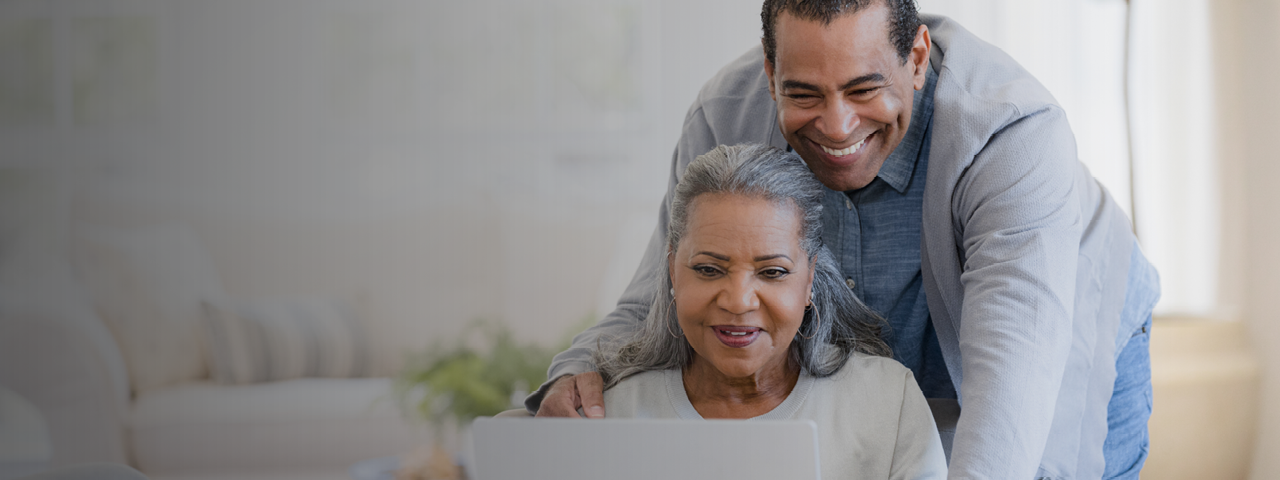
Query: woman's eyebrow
(771, 257)
(716, 256)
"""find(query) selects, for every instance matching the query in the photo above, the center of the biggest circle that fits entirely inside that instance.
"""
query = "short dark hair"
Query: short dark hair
(904, 20)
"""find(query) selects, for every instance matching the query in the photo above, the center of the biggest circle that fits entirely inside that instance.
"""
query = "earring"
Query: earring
(817, 319)
(671, 308)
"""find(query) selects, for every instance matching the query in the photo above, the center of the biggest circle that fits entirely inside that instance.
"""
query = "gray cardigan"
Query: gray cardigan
(1025, 257)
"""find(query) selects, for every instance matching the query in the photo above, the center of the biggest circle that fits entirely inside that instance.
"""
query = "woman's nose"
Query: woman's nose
(739, 297)
(839, 118)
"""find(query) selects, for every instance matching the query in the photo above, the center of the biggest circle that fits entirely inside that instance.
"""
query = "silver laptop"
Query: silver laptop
(576, 449)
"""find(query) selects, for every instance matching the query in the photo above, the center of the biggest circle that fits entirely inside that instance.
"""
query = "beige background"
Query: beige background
(1251, 200)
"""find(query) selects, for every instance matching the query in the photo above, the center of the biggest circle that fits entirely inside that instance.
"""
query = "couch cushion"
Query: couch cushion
(147, 285)
(282, 339)
(296, 424)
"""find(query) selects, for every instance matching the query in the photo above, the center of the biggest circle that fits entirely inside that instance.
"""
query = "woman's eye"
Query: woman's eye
(706, 270)
(774, 273)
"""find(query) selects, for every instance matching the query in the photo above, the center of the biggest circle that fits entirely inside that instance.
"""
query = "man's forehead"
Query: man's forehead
(864, 33)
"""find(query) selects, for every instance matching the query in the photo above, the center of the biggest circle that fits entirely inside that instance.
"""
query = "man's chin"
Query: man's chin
(844, 185)
(849, 177)
(841, 181)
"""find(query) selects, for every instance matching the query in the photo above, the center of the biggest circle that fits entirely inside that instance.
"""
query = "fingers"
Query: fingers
(591, 392)
(569, 393)
(561, 399)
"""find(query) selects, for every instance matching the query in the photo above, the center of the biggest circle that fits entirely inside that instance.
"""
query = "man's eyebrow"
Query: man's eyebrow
(868, 78)
(771, 257)
(716, 256)
(798, 85)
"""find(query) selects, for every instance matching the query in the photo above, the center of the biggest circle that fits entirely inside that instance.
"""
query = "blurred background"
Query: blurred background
(191, 190)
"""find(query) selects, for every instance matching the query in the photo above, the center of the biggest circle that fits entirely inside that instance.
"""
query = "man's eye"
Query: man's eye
(864, 92)
(803, 98)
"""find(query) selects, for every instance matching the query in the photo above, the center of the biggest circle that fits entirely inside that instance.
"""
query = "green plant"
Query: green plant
(462, 381)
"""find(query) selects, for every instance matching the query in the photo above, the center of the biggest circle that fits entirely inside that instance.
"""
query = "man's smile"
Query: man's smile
(851, 149)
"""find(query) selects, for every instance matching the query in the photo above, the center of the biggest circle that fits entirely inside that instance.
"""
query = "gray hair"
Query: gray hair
(846, 325)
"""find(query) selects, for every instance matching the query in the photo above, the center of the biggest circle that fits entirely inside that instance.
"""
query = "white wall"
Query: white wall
(445, 160)
(495, 158)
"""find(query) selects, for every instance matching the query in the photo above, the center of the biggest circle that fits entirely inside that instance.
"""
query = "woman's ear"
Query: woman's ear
(813, 268)
(671, 266)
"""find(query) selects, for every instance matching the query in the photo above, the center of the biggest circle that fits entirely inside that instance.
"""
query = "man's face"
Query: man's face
(844, 97)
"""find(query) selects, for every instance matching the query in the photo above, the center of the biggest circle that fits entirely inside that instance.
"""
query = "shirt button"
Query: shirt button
(848, 204)
(850, 283)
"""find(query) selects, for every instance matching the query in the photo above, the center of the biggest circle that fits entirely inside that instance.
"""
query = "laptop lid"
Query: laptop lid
(628, 449)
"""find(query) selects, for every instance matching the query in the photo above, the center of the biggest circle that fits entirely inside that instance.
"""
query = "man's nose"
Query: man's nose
(838, 120)
(739, 297)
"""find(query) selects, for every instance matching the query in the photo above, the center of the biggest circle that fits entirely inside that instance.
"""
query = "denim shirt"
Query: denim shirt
(874, 233)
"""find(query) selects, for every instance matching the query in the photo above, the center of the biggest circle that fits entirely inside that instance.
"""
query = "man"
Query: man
(958, 209)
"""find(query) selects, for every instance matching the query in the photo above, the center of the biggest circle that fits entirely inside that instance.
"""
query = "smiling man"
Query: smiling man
(1012, 283)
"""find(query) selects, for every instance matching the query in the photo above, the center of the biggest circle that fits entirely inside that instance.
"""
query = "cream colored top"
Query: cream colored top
(873, 422)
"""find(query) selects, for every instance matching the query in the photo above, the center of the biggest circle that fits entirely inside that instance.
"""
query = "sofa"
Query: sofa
(106, 333)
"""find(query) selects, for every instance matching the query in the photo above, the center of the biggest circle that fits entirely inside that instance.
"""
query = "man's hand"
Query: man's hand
(568, 393)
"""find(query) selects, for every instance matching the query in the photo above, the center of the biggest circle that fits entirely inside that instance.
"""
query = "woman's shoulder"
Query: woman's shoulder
(862, 366)
(639, 381)
(865, 373)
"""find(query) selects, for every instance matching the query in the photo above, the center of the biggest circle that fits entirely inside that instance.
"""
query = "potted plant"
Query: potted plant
(482, 373)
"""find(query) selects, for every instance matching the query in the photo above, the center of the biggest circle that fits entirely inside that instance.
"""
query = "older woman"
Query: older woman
(754, 322)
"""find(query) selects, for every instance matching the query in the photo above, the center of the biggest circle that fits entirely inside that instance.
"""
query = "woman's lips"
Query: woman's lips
(736, 337)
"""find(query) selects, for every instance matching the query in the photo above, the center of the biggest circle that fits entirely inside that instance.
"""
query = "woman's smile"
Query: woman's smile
(736, 337)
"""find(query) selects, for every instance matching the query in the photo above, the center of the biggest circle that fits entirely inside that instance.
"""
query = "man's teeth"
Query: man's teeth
(845, 151)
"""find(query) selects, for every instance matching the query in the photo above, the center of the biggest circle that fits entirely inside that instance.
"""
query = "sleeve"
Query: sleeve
(696, 138)
(1021, 225)
(917, 453)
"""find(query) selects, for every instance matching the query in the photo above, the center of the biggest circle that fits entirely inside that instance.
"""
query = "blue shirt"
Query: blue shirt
(874, 233)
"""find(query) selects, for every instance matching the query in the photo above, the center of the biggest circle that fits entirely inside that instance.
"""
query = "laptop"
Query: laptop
(577, 449)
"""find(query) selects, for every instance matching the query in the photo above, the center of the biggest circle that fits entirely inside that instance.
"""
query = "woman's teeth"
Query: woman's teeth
(846, 150)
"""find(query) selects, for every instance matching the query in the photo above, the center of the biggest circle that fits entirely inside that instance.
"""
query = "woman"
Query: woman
(754, 321)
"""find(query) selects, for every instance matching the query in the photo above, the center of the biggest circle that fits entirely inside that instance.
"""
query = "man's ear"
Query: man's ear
(768, 71)
(920, 56)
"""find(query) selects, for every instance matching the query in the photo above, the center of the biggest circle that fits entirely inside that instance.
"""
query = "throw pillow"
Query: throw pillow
(282, 339)
(147, 284)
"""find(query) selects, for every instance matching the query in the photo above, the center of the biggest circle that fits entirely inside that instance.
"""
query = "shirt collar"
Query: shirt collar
(897, 169)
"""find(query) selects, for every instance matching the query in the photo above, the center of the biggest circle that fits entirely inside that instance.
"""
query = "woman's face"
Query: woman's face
(741, 282)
